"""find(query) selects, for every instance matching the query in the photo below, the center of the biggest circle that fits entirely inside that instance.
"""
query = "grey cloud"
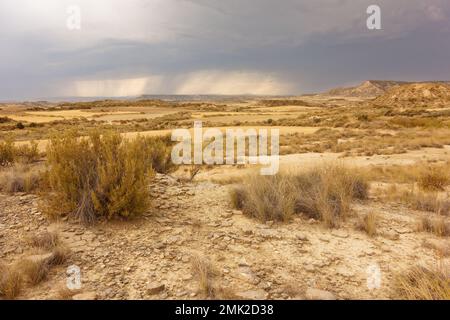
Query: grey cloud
(299, 46)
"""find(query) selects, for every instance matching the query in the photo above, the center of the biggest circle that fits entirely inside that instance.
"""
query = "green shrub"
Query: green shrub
(98, 176)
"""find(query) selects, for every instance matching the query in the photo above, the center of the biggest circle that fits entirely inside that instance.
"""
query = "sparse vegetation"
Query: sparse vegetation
(368, 223)
(266, 197)
(20, 178)
(7, 153)
(28, 153)
(10, 153)
(420, 283)
(59, 256)
(10, 282)
(323, 193)
(44, 240)
(99, 176)
(237, 197)
(94, 173)
(34, 271)
(203, 270)
(158, 150)
(434, 179)
(434, 224)
(421, 201)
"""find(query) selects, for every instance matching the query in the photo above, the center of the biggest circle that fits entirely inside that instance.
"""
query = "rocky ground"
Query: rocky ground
(151, 257)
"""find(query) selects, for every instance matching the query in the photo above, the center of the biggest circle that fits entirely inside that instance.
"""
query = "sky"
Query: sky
(273, 47)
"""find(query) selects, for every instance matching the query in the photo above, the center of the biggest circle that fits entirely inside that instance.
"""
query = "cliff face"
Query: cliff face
(431, 93)
(370, 88)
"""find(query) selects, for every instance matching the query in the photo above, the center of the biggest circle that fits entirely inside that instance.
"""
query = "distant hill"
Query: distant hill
(367, 89)
(424, 93)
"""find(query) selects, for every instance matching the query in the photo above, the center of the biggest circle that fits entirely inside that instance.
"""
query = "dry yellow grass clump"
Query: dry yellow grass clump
(19, 178)
(9, 153)
(44, 240)
(158, 150)
(418, 200)
(266, 197)
(368, 223)
(10, 282)
(59, 256)
(428, 202)
(434, 179)
(420, 283)
(324, 193)
(34, 271)
(434, 224)
(204, 271)
(64, 293)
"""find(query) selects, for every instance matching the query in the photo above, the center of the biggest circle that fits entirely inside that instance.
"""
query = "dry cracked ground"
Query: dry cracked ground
(152, 257)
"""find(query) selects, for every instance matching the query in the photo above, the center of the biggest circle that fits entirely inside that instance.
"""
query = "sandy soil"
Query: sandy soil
(49, 116)
(128, 260)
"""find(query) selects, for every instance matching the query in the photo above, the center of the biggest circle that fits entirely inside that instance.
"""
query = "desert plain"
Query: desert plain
(223, 231)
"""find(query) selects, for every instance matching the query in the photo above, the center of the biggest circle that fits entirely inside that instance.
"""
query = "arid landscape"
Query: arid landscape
(360, 208)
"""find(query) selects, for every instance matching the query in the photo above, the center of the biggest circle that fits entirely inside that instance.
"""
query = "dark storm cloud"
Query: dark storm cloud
(209, 46)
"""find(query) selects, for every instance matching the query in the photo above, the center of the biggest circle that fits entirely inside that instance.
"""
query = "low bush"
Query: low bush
(425, 202)
(10, 153)
(237, 196)
(44, 240)
(28, 153)
(59, 256)
(323, 193)
(97, 176)
(7, 153)
(158, 149)
(420, 283)
(20, 178)
(10, 282)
